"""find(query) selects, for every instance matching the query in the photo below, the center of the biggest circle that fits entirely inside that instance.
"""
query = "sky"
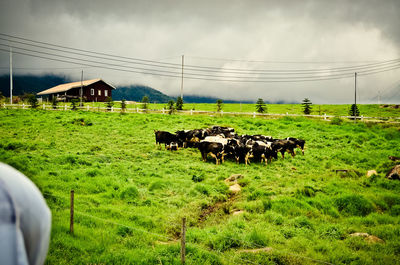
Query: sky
(240, 45)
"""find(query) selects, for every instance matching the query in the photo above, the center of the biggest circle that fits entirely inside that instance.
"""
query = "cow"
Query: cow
(242, 153)
(263, 152)
(299, 143)
(216, 150)
(284, 145)
(226, 131)
(166, 138)
(216, 139)
(172, 146)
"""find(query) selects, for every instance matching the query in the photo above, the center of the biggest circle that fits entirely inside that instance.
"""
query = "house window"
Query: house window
(99, 92)
(92, 91)
(106, 93)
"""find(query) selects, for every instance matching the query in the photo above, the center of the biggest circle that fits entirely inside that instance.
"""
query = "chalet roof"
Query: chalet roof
(65, 87)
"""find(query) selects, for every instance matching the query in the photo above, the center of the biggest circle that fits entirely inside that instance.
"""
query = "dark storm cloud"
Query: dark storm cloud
(250, 30)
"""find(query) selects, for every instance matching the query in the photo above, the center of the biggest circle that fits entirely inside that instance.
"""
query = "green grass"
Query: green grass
(130, 195)
(367, 110)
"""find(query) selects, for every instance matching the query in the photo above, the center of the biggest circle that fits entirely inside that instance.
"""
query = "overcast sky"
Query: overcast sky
(254, 35)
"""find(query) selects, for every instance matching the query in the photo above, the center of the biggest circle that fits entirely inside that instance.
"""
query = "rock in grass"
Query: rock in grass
(368, 237)
(234, 178)
(238, 212)
(235, 188)
(394, 173)
(371, 173)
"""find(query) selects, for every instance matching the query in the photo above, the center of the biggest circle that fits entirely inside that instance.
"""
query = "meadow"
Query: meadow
(131, 196)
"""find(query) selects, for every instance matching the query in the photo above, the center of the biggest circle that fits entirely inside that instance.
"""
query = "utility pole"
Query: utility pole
(355, 97)
(81, 91)
(11, 76)
(183, 56)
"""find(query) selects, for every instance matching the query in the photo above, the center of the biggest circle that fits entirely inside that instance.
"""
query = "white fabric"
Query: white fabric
(25, 220)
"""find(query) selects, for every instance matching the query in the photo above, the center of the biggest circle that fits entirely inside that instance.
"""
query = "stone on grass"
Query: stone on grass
(234, 178)
(371, 173)
(235, 188)
(368, 237)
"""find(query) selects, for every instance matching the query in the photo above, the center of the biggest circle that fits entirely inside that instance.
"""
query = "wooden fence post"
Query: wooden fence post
(183, 240)
(71, 220)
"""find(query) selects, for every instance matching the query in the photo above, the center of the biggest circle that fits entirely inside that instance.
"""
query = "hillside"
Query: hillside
(137, 92)
(30, 83)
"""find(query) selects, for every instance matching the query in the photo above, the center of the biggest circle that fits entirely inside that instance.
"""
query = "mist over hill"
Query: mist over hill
(24, 84)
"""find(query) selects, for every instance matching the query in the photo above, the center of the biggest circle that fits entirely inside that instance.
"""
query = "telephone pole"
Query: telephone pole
(11, 76)
(81, 91)
(355, 97)
(183, 56)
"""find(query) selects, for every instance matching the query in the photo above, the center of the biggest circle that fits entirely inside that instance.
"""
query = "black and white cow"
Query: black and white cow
(284, 145)
(215, 149)
(166, 138)
(299, 143)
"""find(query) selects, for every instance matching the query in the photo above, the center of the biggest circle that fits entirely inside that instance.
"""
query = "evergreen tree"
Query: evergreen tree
(145, 101)
(109, 103)
(354, 111)
(123, 105)
(306, 106)
(219, 105)
(74, 103)
(179, 103)
(260, 106)
(32, 100)
(171, 106)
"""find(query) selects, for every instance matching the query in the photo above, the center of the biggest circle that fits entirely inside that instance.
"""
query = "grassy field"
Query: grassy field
(367, 110)
(130, 196)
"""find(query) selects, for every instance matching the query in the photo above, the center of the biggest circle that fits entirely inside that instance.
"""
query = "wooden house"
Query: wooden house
(90, 90)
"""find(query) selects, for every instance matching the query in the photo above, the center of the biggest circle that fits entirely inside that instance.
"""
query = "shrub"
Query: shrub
(257, 239)
(202, 189)
(336, 121)
(354, 205)
(226, 240)
(307, 191)
(130, 192)
(124, 231)
(302, 222)
(156, 185)
(73, 104)
(196, 178)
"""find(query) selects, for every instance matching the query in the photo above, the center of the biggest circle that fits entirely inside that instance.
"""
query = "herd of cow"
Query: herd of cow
(221, 142)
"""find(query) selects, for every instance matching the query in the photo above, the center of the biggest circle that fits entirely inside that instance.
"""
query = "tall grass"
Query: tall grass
(130, 196)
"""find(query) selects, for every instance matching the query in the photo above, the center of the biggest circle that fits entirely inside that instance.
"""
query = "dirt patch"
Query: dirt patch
(166, 242)
(256, 250)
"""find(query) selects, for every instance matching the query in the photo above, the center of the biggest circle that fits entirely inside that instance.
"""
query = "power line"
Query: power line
(171, 74)
(280, 62)
(208, 75)
(204, 68)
